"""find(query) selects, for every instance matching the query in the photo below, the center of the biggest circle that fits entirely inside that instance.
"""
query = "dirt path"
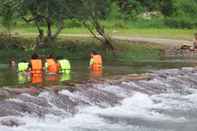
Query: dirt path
(163, 41)
(149, 40)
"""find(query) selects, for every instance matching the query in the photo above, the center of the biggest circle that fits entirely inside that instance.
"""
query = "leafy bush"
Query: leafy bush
(184, 8)
(13, 42)
(74, 23)
(183, 14)
(181, 22)
(114, 12)
(142, 23)
(120, 24)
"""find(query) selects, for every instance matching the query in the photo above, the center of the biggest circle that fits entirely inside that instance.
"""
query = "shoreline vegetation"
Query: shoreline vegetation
(76, 48)
(112, 28)
(73, 43)
(47, 26)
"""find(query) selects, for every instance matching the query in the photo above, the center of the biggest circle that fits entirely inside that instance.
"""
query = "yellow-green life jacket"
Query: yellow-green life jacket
(22, 66)
(64, 65)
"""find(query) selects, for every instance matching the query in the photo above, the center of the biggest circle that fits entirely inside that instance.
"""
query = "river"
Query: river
(80, 71)
(165, 102)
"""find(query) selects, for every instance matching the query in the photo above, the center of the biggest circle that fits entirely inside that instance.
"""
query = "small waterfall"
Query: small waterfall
(165, 102)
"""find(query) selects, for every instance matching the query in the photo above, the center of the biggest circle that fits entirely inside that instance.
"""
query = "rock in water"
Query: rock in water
(11, 122)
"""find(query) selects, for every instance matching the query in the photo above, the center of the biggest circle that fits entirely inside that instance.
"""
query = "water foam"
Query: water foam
(137, 107)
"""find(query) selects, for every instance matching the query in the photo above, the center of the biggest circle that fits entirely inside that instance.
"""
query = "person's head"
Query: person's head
(94, 52)
(50, 56)
(34, 56)
(12, 59)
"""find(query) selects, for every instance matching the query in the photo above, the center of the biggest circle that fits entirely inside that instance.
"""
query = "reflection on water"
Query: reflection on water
(94, 74)
(65, 76)
(37, 78)
(24, 78)
(80, 71)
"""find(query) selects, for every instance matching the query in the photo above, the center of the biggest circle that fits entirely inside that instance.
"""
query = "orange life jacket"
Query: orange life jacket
(53, 67)
(36, 79)
(36, 66)
(96, 73)
(97, 62)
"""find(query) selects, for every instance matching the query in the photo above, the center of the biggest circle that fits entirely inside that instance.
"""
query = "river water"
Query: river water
(80, 71)
(167, 102)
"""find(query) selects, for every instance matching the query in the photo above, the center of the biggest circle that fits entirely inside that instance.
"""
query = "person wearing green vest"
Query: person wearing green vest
(65, 66)
(23, 66)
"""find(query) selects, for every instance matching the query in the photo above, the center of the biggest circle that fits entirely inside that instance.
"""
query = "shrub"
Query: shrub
(181, 22)
(120, 24)
(142, 23)
(74, 23)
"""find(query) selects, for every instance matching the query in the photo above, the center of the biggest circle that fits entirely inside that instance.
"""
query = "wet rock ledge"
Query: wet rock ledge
(66, 100)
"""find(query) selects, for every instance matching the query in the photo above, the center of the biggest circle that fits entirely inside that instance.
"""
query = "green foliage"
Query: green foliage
(183, 14)
(166, 7)
(75, 49)
(131, 8)
(72, 23)
(143, 23)
(186, 8)
(115, 12)
(51, 16)
(8, 14)
(181, 22)
(16, 43)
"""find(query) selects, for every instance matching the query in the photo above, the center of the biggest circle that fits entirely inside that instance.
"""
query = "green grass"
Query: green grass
(183, 34)
(154, 28)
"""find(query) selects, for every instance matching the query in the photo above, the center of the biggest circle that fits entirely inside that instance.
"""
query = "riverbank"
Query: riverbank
(77, 48)
(166, 33)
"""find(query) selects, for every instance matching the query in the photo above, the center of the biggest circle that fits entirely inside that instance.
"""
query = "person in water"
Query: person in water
(65, 69)
(64, 65)
(96, 62)
(22, 71)
(96, 65)
(195, 42)
(36, 69)
(13, 63)
(51, 65)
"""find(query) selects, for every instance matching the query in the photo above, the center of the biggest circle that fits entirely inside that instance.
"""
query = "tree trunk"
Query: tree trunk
(40, 38)
(49, 32)
(60, 27)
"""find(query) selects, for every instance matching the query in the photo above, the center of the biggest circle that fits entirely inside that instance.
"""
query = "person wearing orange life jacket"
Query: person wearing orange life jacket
(96, 62)
(51, 65)
(36, 69)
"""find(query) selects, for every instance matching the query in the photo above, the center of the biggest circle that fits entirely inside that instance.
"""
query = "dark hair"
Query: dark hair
(50, 56)
(34, 56)
(94, 52)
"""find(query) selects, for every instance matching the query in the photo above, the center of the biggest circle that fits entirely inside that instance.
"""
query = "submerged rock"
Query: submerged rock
(89, 93)
(11, 122)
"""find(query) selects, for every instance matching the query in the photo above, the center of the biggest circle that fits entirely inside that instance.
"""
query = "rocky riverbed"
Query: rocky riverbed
(163, 100)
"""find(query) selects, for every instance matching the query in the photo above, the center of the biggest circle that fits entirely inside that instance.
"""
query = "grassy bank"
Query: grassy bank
(77, 49)
(146, 28)
(186, 34)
